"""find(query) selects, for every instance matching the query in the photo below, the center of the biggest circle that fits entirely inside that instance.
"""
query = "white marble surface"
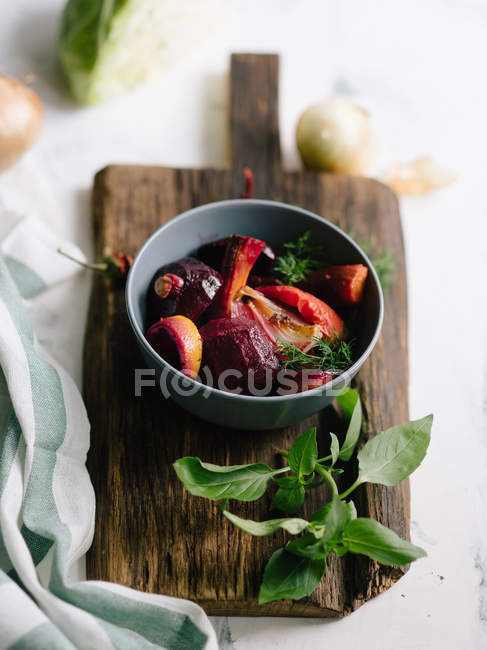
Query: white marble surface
(420, 70)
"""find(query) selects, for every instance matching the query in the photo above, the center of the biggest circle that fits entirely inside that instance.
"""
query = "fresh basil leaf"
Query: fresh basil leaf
(289, 499)
(368, 537)
(307, 546)
(352, 509)
(243, 482)
(289, 576)
(287, 481)
(304, 453)
(347, 400)
(351, 406)
(334, 516)
(394, 454)
(260, 528)
(340, 550)
(334, 448)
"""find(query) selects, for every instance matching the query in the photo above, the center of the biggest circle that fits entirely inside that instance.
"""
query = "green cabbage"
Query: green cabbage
(107, 46)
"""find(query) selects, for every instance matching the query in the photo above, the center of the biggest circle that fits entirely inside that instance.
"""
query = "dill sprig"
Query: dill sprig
(382, 259)
(299, 259)
(332, 354)
(384, 263)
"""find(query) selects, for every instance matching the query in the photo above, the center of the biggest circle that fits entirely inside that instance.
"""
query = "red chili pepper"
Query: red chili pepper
(114, 266)
(120, 264)
(249, 184)
(310, 307)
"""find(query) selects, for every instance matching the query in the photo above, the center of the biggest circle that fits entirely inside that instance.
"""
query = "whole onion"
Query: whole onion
(20, 120)
(335, 136)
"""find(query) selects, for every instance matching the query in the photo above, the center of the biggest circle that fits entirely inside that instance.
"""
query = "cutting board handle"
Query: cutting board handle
(254, 121)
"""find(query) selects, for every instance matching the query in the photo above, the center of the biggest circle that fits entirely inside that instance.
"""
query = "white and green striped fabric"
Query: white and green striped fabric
(47, 502)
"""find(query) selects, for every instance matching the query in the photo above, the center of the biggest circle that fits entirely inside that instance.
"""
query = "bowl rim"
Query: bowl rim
(343, 379)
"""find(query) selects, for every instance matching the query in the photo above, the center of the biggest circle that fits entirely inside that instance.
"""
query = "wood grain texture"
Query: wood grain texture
(151, 534)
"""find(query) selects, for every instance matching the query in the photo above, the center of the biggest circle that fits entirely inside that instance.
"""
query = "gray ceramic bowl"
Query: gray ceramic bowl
(276, 223)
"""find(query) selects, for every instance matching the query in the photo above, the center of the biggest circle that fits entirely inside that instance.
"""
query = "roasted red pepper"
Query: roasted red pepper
(311, 308)
(342, 286)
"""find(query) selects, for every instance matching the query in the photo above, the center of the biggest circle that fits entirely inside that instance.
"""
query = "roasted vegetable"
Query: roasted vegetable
(256, 281)
(278, 322)
(186, 287)
(341, 286)
(251, 338)
(297, 381)
(239, 355)
(240, 256)
(177, 340)
(168, 285)
(214, 252)
(312, 309)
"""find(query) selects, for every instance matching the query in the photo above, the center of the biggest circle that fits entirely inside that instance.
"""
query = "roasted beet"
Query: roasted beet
(186, 287)
(214, 252)
(239, 347)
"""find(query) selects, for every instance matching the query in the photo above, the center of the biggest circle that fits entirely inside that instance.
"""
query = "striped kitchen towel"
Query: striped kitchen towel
(47, 502)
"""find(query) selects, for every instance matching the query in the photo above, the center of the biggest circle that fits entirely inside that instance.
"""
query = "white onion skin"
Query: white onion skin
(335, 136)
(21, 116)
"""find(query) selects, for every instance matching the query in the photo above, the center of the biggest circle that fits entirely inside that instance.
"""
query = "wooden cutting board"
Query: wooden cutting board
(150, 534)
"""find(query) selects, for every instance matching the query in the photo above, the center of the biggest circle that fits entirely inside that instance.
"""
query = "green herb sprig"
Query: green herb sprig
(328, 354)
(383, 261)
(299, 259)
(295, 570)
